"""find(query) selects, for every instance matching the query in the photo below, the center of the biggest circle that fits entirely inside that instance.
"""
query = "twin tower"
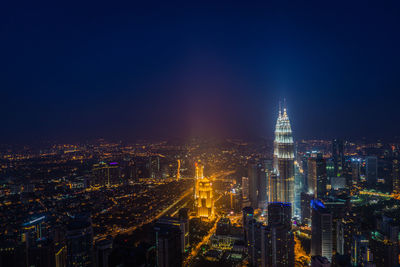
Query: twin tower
(281, 188)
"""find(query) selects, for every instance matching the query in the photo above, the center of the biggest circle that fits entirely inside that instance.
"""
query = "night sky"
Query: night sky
(79, 71)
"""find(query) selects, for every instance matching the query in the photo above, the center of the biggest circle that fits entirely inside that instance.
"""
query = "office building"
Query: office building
(169, 242)
(79, 238)
(277, 240)
(321, 230)
(317, 177)
(396, 176)
(338, 156)
(103, 250)
(184, 218)
(284, 158)
(305, 207)
(247, 215)
(371, 170)
(257, 185)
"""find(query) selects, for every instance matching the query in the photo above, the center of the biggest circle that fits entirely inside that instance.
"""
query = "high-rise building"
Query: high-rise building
(305, 207)
(371, 170)
(304, 164)
(12, 253)
(41, 253)
(396, 176)
(203, 194)
(317, 178)
(284, 158)
(103, 250)
(154, 166)
(277, 240)
(245, 192)
(330, 168)
(169, 244)
(254, 229)
(184, 218)
(106, 174)
(321, 230)
(247, 215)
(273, 187)
(355, 166)
(338, 156)
(205, 202)
(360, 251)
(79, 239)
(257, 185)
(253, 174)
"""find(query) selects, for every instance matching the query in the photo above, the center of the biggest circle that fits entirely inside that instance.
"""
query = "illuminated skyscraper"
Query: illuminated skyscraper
(284, 158)
(203, 194)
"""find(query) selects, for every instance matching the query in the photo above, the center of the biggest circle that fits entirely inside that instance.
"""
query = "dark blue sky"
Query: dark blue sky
(78, 71)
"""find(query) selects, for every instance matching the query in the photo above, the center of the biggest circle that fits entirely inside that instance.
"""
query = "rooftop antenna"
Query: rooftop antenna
(284, 105)
(280, 109)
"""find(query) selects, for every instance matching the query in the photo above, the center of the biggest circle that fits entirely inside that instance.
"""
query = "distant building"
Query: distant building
(223, 227)
(247, 215)
(154, 166)
(103, 250)
(355, 165)
(169, 243)
(258, 176)
(305, 207)
(330, 168)
(321, 230)
(79, 238)
(245, 191)
(319, 261)
(277, 240)
(184, 218)
(360, 251)
(371, 170)
(338, 156)
(396, 176)
(41, 253)
(274, 186)
(253, 174)
(317, 177)
(106, 174)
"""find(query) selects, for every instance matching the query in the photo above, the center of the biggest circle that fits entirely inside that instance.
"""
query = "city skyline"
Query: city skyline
(209, 134)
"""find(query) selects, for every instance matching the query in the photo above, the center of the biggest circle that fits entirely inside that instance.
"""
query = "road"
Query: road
(160, 214)
(205, 240)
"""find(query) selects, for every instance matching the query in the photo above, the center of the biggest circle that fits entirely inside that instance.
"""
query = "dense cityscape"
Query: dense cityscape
(203, 203)
(200, 133)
